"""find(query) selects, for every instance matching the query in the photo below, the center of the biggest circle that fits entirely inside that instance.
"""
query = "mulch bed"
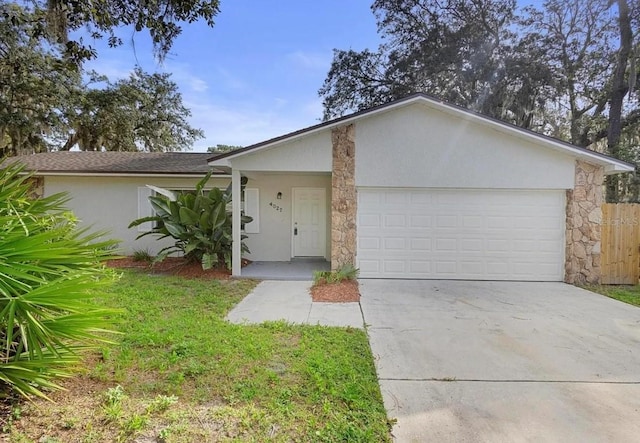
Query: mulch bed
(172, 266)
(345, 291)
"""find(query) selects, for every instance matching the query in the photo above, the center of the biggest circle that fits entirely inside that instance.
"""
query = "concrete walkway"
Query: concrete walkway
(296, 269)
(291, 301)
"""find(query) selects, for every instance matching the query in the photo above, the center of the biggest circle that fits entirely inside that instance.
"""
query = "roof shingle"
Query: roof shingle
(116, 162)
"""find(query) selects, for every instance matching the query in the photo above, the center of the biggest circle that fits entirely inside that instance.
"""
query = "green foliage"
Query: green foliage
(305, 383)
(627, 294)
(161, 18)
(560, 68)
(309, 383)
(222, 149)
(36, 85)
(49, 272)
(143, 112)
(161, 403)
(112, 403)
(44, 104)
(200, 222)
(14, 414)
(456, 50)
(142, 255)
(346, 272)
(116, 407)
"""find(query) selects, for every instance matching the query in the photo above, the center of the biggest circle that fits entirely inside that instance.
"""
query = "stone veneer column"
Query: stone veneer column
(343, 197)
(584, 218)
(37, 187)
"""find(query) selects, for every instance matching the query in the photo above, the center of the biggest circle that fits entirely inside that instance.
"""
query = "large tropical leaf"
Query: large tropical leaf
(199, 222)
(169, 194)
(188, 216)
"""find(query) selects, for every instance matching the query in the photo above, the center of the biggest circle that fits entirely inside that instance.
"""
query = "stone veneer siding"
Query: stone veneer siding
(343, 197)
(584, 218)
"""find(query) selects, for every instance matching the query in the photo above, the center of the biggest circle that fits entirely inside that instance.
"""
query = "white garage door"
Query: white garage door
(461, 234)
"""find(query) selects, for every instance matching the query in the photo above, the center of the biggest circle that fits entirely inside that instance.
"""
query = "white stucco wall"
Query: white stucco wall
(311, 153)
(416, 146)
(111, 203)
(273, 242)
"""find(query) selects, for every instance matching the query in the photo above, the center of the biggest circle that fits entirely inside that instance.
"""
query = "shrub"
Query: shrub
(346, 272)
(142, 255)
(200, 223)
(49, 271)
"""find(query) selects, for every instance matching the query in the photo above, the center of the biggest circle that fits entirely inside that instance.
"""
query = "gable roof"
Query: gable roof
(115, 163)
(611, 164)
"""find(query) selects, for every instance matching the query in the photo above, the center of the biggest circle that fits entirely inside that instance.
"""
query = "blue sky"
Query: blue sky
(256, 74)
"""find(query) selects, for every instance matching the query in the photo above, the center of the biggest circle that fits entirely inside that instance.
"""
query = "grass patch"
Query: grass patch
(628, 294)
(180, 373)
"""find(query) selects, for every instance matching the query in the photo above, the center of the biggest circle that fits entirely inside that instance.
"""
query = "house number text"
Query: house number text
(276, 207)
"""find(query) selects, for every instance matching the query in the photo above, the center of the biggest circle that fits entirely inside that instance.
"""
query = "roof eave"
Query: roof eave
(617, 169)
(122, 174)
(220, 163)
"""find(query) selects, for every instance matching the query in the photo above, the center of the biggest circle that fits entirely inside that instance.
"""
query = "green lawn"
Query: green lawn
(180, 373)
(627, 294)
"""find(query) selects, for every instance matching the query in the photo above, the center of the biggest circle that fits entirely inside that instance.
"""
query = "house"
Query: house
(416, 188)
(108, 189)
(422, 189)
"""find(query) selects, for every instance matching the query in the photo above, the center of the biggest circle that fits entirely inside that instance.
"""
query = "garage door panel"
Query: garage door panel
(472, 245)
(470, 234)
(394, 266)
(419, 267)
(369, 221)
(395, 221)
(446, 244)
(421, 244)
(472, 268)
(368, 267)
(499, 222)
(421, 199)
(369, 243)
(446, 221)
(420, 221)
(394, 243)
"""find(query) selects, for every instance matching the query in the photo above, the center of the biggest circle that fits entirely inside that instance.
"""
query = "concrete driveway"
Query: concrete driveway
(504, 362)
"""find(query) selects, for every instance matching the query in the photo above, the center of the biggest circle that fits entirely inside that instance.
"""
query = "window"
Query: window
(144, 208)
(251, 207)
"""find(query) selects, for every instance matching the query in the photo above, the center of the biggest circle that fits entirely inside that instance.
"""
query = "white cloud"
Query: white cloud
(186, 80)
(113, 69)
(243, 125)
(280, 102)
(234, 121)
(231, 81)
(314, 108)
(311, 60)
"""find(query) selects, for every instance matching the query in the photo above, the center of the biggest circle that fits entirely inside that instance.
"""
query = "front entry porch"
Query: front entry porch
(300, 269)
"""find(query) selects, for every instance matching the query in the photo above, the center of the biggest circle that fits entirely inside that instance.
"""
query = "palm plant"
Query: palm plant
(49, 272)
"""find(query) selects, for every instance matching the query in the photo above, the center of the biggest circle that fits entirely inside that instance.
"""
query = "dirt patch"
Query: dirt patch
(345, 291)
(173, 266)
(42, 420)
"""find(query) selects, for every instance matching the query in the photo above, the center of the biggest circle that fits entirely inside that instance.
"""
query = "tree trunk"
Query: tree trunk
(70, 143)
(618, 91)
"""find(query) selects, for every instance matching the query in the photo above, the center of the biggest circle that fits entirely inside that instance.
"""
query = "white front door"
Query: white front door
(309, 222)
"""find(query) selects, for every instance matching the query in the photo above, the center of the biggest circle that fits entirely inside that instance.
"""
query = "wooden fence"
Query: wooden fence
(620, 243)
